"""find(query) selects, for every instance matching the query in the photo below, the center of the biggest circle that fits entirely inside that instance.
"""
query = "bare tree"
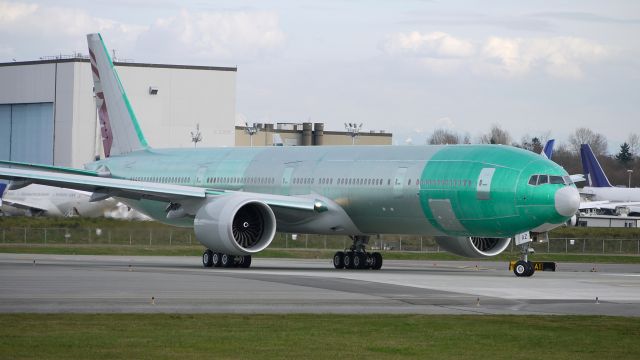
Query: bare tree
(443, 136)
(496, 136)
(585, 136)
(634, 144)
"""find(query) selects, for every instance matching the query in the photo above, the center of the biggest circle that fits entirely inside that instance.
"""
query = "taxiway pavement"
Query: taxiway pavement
(150, 284)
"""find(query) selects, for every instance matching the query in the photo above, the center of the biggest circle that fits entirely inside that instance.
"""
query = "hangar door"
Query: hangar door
(26, 133)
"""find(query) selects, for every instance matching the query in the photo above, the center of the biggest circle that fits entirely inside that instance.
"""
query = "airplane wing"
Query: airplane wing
(592, 204)
(57, 169)
(104, 187)
(24, 205)
(575, 178)
(634, 207)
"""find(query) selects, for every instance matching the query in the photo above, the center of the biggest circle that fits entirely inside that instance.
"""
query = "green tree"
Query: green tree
(624, 156)
(534, 145)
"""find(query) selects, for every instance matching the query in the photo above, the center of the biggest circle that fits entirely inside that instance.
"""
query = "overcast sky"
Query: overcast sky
(404, 66)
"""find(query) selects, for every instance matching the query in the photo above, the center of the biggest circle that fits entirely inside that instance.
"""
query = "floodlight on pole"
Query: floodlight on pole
(251, 130)
(353, 130)
(196, 136)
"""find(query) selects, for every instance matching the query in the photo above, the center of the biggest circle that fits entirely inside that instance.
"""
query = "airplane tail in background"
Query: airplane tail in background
(592, 169)
(120, 130)
(548, 148)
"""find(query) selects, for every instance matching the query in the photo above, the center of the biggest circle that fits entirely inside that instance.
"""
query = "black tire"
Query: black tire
(246, 261)
(348, 260)
(227, 260)
(376, 262)
(216, 259)
(358, 261)
(206, 258)
(338, 260)
(530, 269)
(521, 268)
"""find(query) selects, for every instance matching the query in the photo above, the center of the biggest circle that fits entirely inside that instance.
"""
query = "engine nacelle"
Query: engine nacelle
(473, 247)
(235, 225)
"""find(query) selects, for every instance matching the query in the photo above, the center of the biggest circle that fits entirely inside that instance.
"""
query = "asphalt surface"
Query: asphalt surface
(150, 284)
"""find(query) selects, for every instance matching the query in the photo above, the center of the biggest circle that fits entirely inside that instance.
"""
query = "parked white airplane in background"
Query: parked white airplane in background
(34, 200)
(599, 192)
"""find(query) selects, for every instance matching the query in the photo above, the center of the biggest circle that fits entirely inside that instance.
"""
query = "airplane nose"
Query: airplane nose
(567, 201)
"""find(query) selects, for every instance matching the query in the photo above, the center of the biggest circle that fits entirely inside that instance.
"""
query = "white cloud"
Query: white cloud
(185, 36)
(217, 35)
(31, 19)
(563, 57)
(11, 12)
(446, 123)
(57, 29)
(434, 45)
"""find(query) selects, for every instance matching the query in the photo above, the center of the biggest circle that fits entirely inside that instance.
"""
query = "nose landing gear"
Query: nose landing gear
(524, 267)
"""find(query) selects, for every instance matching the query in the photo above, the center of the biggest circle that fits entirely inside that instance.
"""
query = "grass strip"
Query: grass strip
(295, 336)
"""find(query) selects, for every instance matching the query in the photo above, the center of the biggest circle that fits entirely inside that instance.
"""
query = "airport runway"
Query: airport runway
(60, 283)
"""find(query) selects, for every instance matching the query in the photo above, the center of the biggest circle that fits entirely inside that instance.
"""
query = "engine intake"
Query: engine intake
(473, 247)
(235, 225)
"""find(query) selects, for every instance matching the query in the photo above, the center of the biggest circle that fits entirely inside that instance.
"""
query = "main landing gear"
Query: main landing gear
(215, 259)
(357, 257)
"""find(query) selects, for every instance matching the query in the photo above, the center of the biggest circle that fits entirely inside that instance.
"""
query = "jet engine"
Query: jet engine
(235, 225)
(473, 247)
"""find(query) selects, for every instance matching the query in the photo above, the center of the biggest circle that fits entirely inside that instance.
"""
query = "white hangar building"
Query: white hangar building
(48, 113)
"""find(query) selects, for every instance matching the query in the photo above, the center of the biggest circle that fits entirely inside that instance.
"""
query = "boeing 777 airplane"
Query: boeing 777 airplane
(472, 198)
(53, 201)
(599, 191)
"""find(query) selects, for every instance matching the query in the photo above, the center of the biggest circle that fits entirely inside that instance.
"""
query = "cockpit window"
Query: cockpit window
(556, 179)
(543, 179)
(550, 179)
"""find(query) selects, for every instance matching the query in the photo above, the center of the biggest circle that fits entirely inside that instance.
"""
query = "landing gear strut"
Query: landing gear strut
(215, 259)
(357, 256)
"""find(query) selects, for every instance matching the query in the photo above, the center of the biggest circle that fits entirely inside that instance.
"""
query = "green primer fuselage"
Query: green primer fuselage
(462, 190)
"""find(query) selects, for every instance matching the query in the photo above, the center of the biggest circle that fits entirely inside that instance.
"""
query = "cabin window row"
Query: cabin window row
(360, 181)
(443, 182)
(251, 180)
(163, 179)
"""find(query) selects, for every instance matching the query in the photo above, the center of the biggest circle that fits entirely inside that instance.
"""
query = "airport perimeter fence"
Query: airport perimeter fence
(186, 237)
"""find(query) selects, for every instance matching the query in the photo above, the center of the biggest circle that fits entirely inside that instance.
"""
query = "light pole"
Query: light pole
(251, 130)
(196, 136)
(353, 130)
(629, 171)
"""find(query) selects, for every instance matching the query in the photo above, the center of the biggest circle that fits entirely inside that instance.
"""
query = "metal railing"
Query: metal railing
(185, 237)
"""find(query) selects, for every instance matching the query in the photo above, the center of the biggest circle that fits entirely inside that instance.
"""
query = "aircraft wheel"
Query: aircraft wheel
(338, 260)
(246, 261)
(227, 260)
(376, 262)
(521, 268)
(358, 261)
(348, 260)
(216, 259)
(530, 269)
(206, 258)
